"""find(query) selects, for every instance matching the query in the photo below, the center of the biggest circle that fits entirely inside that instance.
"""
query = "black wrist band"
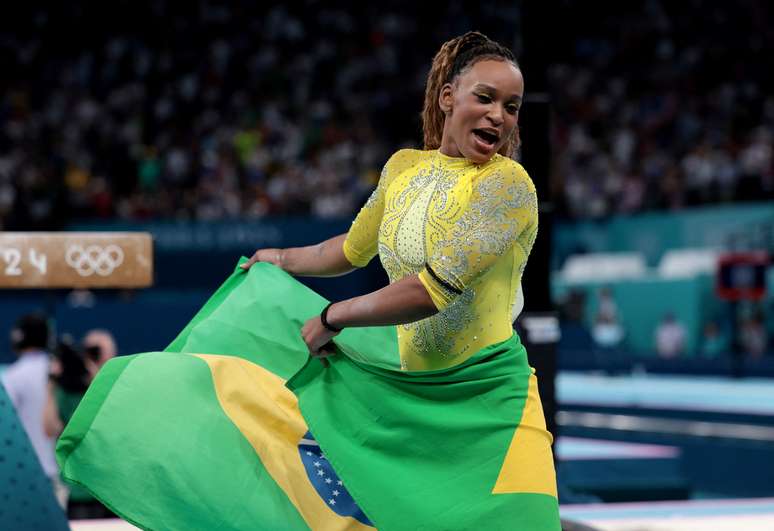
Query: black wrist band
(324, 319)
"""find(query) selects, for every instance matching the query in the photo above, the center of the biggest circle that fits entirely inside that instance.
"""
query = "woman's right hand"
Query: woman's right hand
(272, 256)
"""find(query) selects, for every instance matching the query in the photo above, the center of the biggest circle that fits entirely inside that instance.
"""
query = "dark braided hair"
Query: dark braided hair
(453, 59)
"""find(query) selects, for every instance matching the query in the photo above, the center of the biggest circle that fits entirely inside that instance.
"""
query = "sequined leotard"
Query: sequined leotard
(467, 230)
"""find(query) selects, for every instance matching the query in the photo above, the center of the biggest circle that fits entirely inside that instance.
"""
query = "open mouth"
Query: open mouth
(488, 138)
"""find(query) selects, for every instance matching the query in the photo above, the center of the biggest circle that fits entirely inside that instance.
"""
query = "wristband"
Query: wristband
(324, 320)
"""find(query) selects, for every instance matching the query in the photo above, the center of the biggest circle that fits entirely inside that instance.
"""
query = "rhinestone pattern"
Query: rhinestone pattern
(474, 224)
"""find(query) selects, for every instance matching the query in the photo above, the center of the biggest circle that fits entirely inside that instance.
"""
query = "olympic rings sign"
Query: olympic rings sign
(94, 259)
(76, 260)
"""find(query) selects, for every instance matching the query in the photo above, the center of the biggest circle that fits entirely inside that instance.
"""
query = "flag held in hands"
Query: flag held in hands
(234, 426)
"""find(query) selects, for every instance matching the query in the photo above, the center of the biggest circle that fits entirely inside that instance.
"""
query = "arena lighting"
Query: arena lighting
(76, 260)
(742, 276)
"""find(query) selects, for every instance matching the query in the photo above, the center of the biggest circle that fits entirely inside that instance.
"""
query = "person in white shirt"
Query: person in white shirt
(670, 337)
(26, 382)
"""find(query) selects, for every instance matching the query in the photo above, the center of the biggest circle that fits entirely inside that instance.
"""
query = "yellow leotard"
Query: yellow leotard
(467, 230)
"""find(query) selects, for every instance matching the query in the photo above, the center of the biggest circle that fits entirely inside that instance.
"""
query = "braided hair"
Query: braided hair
(454, 58)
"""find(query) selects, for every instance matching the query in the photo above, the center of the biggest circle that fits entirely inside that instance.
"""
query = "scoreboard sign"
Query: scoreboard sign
(742, 276)
(76, 260)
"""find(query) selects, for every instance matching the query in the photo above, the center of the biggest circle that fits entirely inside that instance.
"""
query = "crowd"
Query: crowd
(662, 107)
(209, 111)
(239, 110)
(593, 323)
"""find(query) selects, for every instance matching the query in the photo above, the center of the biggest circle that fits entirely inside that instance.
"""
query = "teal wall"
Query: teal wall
(642, 303)
(652, 234)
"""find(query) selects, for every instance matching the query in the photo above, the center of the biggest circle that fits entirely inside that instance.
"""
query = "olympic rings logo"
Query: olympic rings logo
(94, 259)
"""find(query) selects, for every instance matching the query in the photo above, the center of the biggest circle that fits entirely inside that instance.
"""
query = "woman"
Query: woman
(234, 426)
(453, 225)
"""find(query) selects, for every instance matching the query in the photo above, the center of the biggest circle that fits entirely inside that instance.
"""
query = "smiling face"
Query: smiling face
(482, 109)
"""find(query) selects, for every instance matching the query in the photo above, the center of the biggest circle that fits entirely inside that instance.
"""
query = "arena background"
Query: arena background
(648, 128)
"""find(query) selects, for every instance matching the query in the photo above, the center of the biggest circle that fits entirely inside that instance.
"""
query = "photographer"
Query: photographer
(72, 371)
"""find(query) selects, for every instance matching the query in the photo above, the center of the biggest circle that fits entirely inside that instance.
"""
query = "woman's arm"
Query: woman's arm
(326, 259)
(402, 302)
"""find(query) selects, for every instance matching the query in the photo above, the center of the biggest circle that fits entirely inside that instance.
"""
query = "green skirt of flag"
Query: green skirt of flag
(234, 426)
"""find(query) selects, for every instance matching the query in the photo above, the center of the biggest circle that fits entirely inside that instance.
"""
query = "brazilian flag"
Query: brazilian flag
(234, 426)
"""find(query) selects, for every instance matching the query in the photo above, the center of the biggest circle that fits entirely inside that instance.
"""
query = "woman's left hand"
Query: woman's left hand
(316, 336)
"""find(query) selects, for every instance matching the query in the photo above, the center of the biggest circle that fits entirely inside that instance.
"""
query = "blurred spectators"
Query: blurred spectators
(72, 373)
(753, 337)
(606, 329)
(661, 105)
(607, 308)
(576, 346)
(670, 337)
(207, 111)
(99, 347)
(714, 342)
(607, 332)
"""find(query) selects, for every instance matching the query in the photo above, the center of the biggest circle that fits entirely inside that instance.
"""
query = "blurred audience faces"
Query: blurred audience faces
(714, 342)
(607, 332)
(670, 337)
(99, 347)
(296, 120)
(73, 371)
(753, 337)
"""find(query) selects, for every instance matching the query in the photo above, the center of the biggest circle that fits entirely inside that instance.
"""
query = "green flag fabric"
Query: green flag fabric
(234, 426)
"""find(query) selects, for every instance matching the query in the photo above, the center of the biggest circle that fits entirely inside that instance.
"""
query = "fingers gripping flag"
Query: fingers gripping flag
(235, 427)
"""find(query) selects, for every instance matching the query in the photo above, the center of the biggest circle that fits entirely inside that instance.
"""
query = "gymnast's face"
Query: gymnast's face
(482, 109)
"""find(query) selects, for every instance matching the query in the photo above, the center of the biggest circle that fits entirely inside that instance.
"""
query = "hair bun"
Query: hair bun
(470, 40)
